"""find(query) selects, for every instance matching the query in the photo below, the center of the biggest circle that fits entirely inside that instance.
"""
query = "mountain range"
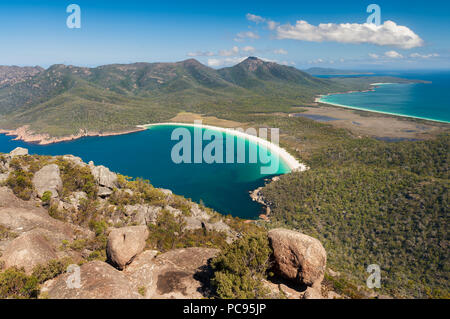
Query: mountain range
(64, 99)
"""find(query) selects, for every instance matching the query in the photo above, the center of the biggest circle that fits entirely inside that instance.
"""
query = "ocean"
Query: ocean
(147, 154)
(429, 101)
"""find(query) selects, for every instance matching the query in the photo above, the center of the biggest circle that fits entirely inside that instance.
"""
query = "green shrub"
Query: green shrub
(165, 234)
(239, 270)
(99, 227)
(14, 283)
(182, 204)
(55, 213)
(148, 193)
(46, 197)
(51, 270)
(77, 178)
(169, 233)
(20, 183)
(6, 233)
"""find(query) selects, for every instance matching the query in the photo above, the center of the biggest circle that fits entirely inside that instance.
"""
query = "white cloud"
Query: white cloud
(248, 34)
(214, 62)
(258, 19)
(225, 61)
(423, 56)
(254, 18)
(374, 55)
(393, 55)
(200, 53)
(287, 63)
(272, 24)
(234, 51)
(388, 33)
(316, 61)
(248, 49)
(280, 51)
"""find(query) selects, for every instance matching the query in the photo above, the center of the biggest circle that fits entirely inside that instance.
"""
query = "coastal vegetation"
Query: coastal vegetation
(239, 271)
(374, 202)
(367, 201)
(65, 100)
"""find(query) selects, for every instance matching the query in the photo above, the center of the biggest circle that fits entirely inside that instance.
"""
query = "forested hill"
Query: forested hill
(372, 202)
(64, 99)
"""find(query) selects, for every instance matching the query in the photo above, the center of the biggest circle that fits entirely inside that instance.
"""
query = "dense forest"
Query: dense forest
(372, 202)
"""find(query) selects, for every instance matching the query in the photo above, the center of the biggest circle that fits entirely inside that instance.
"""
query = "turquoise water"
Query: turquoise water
(423, 100)
(147, 154)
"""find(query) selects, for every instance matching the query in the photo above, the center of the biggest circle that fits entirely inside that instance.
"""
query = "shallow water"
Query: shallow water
(147, 154)
(423, 100)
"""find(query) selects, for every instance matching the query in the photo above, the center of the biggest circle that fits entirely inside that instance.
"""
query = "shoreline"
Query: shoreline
(288, 159)
(318, 99)
(24, 134)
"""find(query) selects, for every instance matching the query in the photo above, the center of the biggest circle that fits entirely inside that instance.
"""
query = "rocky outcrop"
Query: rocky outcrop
(27, 219)
(298, 257)
(3, 177)
(40, 231)
(142, 214)
(98, 280)
(312, 293)
(103, 176)
(76, 198)
(10, 75)
(29, 250)
(125, 243)
(48, 179)
(180, 273)
(19, 151)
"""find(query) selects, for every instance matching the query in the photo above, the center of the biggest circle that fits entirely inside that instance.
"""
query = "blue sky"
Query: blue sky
(223, 33)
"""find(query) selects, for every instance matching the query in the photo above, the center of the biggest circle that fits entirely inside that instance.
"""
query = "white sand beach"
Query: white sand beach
(287, 158)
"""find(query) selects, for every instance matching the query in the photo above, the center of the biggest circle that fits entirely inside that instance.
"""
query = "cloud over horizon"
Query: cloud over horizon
(241, 36)
(386, 34)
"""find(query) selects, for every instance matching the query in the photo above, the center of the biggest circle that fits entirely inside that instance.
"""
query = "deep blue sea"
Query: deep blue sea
(423, 100)
(147, 154)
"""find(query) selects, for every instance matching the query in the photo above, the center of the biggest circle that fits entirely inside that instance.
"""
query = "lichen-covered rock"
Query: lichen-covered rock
(298, 257)
(142, 214)
(74, 160)
(179, 273)
(104, 191)
(18, 151)
(23, 216)
(76, 198)
(104, 176)
(125, 243)
(29, 250)
(48, 178)
(98, 280)
(312, 293)
(3, 177)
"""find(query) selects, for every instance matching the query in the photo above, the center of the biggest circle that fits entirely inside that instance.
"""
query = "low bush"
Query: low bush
(15, 283)
(240, 269)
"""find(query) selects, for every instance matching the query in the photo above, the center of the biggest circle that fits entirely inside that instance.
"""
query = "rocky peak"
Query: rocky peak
(10, 75)
(252, 63)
